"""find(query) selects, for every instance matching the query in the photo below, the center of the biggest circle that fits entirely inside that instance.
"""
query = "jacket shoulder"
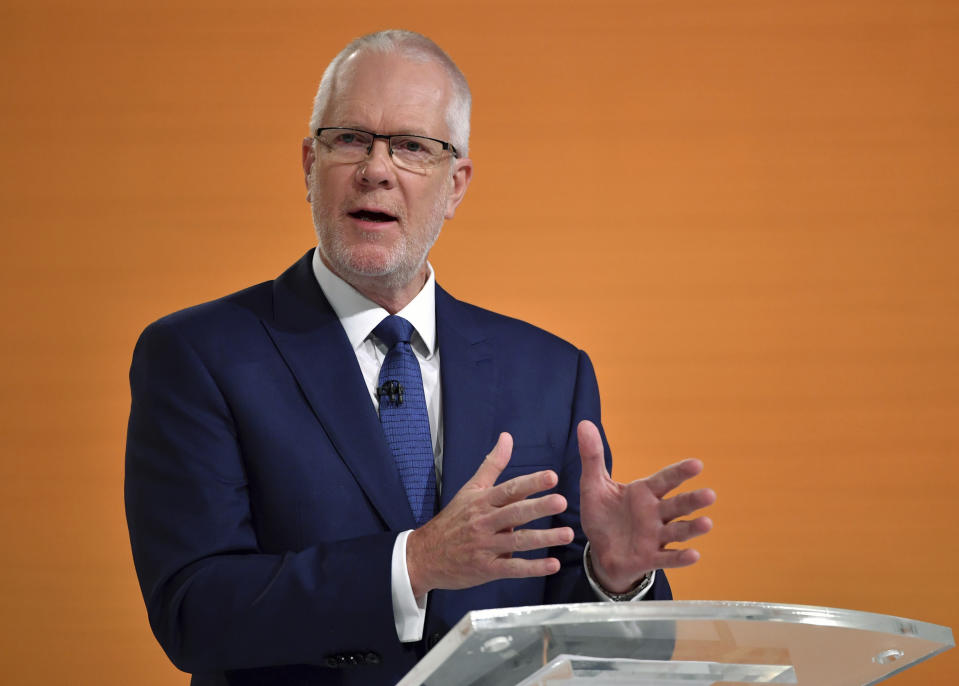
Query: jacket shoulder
(219, 329)
(504, 328)
(250, 304)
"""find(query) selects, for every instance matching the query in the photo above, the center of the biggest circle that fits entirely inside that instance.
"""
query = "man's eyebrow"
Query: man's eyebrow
(408, 131)
(347, 126)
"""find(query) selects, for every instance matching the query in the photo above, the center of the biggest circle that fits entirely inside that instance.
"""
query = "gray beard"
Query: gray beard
(404, 261)
(401, 265)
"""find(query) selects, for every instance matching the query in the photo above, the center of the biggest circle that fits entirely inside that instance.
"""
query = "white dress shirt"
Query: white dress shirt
(359, 316)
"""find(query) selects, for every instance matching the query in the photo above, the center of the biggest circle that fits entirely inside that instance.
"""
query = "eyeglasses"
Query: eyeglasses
(413, 153)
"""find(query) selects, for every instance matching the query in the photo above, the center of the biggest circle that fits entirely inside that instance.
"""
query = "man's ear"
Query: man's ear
(309, 159)
(462, 174)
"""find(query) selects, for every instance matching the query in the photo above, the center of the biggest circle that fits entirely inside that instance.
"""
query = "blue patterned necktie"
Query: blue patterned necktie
(405, 420)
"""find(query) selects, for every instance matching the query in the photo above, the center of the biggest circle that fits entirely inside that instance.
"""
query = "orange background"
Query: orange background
(745, 211)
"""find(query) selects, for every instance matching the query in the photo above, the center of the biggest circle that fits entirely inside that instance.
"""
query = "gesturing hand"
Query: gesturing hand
(472, 540)
(630, 525)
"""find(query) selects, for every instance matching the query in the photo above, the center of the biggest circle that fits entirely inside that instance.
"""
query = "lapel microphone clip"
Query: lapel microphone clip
(392, 391)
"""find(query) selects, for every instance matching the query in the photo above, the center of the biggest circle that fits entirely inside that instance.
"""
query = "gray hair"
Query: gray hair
(419, 48)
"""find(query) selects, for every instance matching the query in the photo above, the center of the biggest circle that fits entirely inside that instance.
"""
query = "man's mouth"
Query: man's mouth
(372, 216)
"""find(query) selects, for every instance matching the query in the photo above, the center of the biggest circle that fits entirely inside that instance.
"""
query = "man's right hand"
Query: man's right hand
(472, 540)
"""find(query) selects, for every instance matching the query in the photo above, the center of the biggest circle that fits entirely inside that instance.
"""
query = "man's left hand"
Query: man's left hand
(630, 525)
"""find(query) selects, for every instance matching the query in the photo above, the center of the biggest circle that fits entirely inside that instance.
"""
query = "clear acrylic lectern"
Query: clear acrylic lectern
(673, 643)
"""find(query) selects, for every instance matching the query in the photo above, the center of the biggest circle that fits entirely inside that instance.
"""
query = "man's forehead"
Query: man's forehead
(377, 69)
(390, 87)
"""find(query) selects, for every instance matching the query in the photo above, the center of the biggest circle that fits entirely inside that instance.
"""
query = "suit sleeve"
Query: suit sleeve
(570, 585)
(215, 600)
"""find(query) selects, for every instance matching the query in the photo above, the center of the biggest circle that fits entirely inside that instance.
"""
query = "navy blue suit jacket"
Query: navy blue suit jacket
(262, 498)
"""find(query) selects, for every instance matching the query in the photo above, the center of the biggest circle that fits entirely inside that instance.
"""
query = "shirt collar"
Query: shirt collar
(359, 315)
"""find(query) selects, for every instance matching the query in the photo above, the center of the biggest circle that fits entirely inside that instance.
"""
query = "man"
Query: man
(306, 488)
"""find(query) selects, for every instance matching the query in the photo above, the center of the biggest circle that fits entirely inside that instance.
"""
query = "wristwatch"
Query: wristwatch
(640, 586)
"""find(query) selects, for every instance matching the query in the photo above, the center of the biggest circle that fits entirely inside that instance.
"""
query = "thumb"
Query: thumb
(591, 452)
(494, 464)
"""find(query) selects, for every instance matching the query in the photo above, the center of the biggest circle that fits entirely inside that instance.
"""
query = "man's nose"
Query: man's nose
(377, 169)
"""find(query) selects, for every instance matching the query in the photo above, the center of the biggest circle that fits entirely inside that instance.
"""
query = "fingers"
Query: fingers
(686, 503)
(525, 511)
(520, 568)
(591, 451)
(532, 539)
(683, 530)
(668, 478)
(494, 464)
(672, 559)
(522, 487)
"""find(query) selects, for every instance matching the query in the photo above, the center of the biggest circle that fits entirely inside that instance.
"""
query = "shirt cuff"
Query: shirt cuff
(602, 594)
(409, 612)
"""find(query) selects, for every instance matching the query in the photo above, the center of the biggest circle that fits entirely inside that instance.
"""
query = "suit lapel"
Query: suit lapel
(468, 378)
(311, 340)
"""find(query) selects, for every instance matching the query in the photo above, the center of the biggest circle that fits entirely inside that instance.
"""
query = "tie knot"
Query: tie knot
(393, 330)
